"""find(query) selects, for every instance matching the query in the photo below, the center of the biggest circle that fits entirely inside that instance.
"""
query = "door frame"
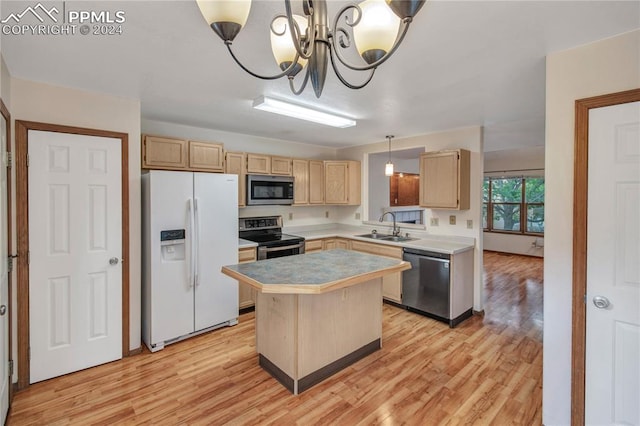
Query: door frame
(7, 116)
(580, 197)
(22, 223)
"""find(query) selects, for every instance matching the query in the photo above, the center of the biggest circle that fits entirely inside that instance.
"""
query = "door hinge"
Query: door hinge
(9, 159)
(585, 299)
(10, 262)
(10, 367)
(27, 160)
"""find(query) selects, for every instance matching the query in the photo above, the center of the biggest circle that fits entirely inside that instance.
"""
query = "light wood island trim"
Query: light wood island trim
(316, 288)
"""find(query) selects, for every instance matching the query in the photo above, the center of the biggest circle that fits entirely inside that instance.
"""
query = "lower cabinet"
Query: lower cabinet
(247, 294)
(391, 284)
(336, 243)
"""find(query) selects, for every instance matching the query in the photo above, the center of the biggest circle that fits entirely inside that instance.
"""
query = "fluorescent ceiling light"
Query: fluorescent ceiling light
(303, 113)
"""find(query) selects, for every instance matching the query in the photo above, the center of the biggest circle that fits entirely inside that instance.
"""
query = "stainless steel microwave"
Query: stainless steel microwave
(263, 190)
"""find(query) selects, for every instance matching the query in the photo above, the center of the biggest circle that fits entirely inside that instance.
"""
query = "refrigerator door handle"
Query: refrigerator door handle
(196, 257)
(191, 245)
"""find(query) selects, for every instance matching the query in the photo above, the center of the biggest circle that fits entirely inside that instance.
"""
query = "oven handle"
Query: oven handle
(265, 250)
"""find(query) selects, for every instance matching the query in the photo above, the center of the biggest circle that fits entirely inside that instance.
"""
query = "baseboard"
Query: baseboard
(506, 253)
(136, 351)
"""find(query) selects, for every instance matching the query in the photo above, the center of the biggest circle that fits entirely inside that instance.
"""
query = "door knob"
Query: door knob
(113, 261)
(601, 302)
(3, 309)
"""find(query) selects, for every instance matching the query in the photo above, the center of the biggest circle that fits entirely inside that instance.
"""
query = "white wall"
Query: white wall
(300, 215)
(526, 161)
(40, 102)
(607, 66)
(469, 138)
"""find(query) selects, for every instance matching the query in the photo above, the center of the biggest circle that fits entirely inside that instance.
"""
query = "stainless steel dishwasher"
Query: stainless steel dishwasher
(426, 286)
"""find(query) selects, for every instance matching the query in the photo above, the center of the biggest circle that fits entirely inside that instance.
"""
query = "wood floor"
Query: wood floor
(488, 370)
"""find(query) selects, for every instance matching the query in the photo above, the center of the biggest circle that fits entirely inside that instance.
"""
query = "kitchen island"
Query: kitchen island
(316, 313)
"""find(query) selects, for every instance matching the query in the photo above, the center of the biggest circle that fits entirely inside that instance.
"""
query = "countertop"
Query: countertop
(436, 243)
(246, 243)
(314, 273)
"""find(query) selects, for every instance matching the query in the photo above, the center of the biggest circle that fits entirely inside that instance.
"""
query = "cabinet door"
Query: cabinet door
(336, 182)
(246, 293)
(235, 164)
(164, 153)
(313, 245)
(329, 244)
(300, 181)
(392, 287)
(316, 182)
(206, 156)
(444, 180)
(342, 244)
(281, 166)
(259, 164)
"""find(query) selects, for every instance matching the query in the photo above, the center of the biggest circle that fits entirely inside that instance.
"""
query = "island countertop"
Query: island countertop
(314, 273)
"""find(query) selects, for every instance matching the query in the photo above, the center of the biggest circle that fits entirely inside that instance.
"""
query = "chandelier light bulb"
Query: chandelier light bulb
(282, 45)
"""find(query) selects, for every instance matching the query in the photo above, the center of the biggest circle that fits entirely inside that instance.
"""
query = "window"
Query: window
(513, 205)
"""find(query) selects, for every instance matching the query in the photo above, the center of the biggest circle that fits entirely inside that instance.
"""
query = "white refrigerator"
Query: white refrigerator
(190, 230)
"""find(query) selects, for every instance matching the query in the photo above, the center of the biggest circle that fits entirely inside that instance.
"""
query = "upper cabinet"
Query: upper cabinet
(300, 181)
(342, 182)
(281, 166)
(444, 180)
(235, 163)
(179, 154)
(207, 157)
(316, 182)
(164, 153)
(258, 164)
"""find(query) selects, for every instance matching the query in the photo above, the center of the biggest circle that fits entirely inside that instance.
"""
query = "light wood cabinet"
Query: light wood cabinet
(336, 243)
(235, 164)
(259, 164)
(164, 153)
(445, 180)
(311, 246)
(300, 170)
(246, 293)
(281, 166)
(342, 182)
(391, 284)
(206, 156)
(316, 182)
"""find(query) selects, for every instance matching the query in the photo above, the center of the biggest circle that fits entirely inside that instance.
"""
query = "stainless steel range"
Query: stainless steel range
(267, 232)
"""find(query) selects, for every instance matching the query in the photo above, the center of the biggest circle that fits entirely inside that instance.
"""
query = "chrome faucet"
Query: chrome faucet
(396, 229)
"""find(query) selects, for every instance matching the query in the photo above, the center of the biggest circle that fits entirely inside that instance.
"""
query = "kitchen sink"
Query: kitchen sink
(397, 239)
(384, 237)
(375, 236)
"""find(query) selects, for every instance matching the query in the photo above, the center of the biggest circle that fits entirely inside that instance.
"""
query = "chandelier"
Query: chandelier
(308, 43)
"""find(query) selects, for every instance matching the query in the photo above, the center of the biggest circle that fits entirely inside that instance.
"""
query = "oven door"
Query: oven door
(265, 252)
(266, 190)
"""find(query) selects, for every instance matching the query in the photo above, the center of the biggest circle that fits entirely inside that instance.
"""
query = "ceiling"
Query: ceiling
(461, 64)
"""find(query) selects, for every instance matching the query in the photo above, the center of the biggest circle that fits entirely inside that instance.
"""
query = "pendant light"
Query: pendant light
(388, 168)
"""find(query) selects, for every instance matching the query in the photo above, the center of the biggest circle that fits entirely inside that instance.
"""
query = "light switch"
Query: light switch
(434, 221)
(452, 220)
(469, 224)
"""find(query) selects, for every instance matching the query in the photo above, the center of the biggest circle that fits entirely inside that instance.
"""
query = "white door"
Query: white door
(5, 380)
(612, 393)
(216, 219)
(75, 247)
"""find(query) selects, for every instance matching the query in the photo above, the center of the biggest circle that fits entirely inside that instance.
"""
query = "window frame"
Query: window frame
(524, 207)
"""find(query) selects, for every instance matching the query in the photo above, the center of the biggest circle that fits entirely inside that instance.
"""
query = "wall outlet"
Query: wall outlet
(290, 216)
(452, 220)
(469, 224)
(326, 214)
(434, 221)
(357, 216)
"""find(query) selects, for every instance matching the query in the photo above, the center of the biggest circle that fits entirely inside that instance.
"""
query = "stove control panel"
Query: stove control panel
(264, 222)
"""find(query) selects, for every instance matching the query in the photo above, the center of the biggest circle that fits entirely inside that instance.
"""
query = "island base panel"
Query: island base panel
(299, 386)
(309, 337)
